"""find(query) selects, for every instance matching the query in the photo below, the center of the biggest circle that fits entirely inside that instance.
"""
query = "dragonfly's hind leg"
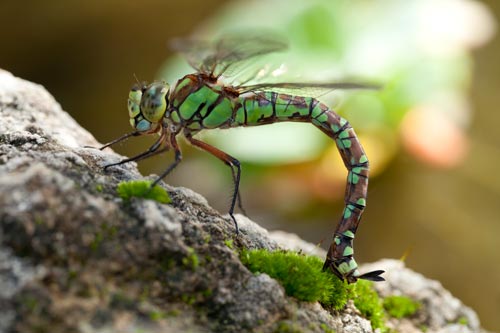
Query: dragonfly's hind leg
(238, 195)
(233, 163)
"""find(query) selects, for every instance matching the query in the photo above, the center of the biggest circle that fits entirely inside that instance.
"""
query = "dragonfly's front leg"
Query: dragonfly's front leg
(152, 151)
(121, 138)
(232, 162)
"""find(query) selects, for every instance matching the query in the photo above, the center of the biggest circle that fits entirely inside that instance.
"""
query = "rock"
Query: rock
(75, 257)
(442, 312)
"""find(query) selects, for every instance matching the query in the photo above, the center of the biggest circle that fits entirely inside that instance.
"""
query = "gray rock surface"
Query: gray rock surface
(74, 257)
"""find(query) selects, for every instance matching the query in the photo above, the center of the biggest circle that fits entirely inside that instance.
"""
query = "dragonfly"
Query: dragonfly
(203, 101)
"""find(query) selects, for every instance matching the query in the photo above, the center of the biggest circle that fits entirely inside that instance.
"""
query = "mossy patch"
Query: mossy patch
(326, 329)
(191, 261)
(229, 243)
(369, 304)
(400, 306)
(286, 327)
(142, 189)
(300, 275)
(160, 315)
(106, 232)
(303, 278)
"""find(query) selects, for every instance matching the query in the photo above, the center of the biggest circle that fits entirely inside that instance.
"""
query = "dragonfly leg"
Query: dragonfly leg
(238, 196)
(153, 150)
(139, 157)
(178, 159)
(121, 138)
(231, 162)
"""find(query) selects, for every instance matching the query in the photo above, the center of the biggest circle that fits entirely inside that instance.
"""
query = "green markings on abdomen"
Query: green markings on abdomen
(259, 110)
(271, 107)
(293, 107)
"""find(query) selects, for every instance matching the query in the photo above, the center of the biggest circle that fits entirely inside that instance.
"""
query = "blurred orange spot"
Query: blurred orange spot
(433, 138)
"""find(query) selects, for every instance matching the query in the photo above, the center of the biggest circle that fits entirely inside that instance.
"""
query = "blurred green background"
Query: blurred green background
(431, 133)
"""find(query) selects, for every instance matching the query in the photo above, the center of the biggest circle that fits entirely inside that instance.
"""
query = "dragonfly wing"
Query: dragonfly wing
(219, 57)
(196, 52)
(306, 89)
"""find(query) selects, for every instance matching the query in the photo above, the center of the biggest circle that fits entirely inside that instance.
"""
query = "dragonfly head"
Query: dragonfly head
(147, 105)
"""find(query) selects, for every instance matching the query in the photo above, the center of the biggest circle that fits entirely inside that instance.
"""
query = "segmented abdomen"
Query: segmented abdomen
(270, 107)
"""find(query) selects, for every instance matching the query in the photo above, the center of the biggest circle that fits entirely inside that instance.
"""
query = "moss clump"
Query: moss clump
(191, 261)
(142, 189)
(400, 306)
(229, 243)
(106, 232)
(369, 304)
(285, 327)
(326, 329)
(157, 315)
(301, 276)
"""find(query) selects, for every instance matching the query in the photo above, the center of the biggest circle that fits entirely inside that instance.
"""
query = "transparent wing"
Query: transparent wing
(224, 54)
(306, 89)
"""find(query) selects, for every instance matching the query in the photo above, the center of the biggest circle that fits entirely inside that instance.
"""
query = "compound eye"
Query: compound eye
(154, 103)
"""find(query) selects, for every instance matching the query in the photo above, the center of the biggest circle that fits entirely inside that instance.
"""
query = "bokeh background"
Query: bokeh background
(431, 134)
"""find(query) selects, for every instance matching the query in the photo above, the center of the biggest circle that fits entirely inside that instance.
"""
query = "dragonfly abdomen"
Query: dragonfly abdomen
(271, 107)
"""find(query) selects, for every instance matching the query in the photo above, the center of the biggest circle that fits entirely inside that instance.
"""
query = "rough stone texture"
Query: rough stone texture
(76, 258)
(442, 310)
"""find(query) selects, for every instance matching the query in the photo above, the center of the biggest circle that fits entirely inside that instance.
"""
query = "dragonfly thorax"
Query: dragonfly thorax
(147, 106)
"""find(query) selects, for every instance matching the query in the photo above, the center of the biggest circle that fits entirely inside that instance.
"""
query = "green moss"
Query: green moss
(157, 315)
(207, 238)
(369, 304)
(30, 303)
(96, 242)
(142, 189)
(303, 278)
(106, 232)
(286, 327)
(326, 329)
(191, 260)
(400, 306)
(173, 313)
(229, 243)
(99, 188)
(188, 299)
(463, 321)
(166, 263)
(207, 293)
(300, 275)
(122, 301)
(38, 220)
